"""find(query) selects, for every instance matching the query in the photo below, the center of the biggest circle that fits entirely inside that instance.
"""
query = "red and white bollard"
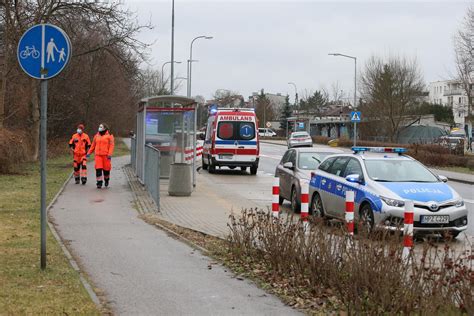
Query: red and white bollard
(408, 228)
(350, 212)
(276, 197)
(304, 205)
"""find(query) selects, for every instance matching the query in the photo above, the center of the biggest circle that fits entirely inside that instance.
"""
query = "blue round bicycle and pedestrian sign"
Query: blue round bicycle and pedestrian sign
(43, 51)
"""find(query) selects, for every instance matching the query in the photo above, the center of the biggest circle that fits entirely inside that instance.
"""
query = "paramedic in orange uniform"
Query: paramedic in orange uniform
(80, 144)
(103, 147)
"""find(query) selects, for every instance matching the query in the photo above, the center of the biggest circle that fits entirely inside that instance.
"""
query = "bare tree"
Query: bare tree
(95, 30)
(228, 98)
(390, 88)
(464, 57)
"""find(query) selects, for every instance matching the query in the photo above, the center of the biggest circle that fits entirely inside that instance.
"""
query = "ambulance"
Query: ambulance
(231, 140)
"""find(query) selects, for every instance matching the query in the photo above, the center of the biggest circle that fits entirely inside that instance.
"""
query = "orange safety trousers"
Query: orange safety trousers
(101, 162)
(80, 166)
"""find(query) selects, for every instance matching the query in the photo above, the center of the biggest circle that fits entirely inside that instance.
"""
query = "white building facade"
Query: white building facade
(450, 93)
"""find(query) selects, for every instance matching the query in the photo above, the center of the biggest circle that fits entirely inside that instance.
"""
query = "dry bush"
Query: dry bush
(58, 147)
(13, 150)
(428, 154)
(368, 275)
(321, 139)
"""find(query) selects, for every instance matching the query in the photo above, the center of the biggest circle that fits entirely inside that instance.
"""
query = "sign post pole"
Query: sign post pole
(43, 52)
(355, 118)
(43, 122)
(355, 134)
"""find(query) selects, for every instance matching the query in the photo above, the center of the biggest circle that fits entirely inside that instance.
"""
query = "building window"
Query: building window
(460, 102)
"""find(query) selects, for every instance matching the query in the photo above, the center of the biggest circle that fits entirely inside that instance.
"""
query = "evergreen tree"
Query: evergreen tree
(286, 113)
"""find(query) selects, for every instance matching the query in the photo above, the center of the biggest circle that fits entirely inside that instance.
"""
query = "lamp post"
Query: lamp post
(355, 88)
(296, 93)
(190, 61)
(172, 49)
(163, 71)
(190, 64)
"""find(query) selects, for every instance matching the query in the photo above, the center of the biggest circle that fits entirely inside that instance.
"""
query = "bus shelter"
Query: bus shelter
(168, 124)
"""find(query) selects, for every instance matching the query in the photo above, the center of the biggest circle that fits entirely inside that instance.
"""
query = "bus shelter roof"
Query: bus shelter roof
(172, 100)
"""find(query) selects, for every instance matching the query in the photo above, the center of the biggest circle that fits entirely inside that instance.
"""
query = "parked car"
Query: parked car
(296, 166)
(266, 132)
(300, 139)
(382, 180)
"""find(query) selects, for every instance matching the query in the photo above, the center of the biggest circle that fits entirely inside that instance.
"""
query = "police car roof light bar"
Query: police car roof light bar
(398, 150)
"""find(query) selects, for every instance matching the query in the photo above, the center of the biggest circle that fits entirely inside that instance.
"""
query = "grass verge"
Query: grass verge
(120, 148)
(458, 169)
(24, 288)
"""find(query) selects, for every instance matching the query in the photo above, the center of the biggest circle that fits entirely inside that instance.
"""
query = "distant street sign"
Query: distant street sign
(268, 124)
(43, 51)
(355, 116)
(300, 124)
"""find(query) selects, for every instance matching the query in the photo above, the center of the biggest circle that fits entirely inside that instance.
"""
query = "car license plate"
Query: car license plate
(228, 157)
(434, 219)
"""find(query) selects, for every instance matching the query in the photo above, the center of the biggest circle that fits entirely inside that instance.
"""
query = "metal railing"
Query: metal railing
(152, 173)
(133, 153)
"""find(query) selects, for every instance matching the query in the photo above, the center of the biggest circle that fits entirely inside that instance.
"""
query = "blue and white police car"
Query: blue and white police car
(383, 179)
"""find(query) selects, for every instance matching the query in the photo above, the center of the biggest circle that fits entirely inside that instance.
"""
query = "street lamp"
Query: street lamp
(355, 87)
(172, 49)
(296, 93)
(163, 71)
(190, 61)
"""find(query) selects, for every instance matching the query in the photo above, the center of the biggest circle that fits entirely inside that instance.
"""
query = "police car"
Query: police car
(382, 179)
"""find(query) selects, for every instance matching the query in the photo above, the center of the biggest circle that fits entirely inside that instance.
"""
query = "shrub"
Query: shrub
(321, 139)
(13, 150)
(368, 275)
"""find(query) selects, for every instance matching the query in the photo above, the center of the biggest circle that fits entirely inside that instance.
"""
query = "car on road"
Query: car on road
(296, 166)
(266, 132)
(382, 180)
(300, 139)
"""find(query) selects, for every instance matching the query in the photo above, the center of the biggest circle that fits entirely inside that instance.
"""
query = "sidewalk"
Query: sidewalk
(215, 198)
(141, 270)
(451, 175)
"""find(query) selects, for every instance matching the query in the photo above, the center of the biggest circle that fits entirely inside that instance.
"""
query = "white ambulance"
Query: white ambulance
(231, 140)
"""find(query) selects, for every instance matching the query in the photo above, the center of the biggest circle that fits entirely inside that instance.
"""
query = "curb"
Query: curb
(449, 178)
(66, 252)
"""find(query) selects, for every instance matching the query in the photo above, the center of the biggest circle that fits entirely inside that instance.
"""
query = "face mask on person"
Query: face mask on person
(79, 131)
(101, 128)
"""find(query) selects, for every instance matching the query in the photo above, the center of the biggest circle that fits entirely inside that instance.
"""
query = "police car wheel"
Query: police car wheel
(295, 205)
(243, 168)
(316, 208)
(366, 220)
(451, 235)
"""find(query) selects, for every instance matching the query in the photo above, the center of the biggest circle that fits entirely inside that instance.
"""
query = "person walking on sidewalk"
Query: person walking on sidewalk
(79, 145)
(103, 147)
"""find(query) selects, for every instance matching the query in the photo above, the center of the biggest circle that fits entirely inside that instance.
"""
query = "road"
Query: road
(271, 154)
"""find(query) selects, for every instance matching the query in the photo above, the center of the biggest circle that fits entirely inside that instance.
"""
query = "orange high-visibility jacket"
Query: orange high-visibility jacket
(80, 143)
(103, 145)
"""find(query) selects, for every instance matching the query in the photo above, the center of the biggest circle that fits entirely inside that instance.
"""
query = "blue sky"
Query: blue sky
(265, 44)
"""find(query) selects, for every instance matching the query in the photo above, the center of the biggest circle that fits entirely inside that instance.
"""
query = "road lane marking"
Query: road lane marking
(271, 157)
(469, 201)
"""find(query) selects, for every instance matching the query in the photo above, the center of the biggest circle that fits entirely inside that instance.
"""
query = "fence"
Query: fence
(133, 153)
(152, 173)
